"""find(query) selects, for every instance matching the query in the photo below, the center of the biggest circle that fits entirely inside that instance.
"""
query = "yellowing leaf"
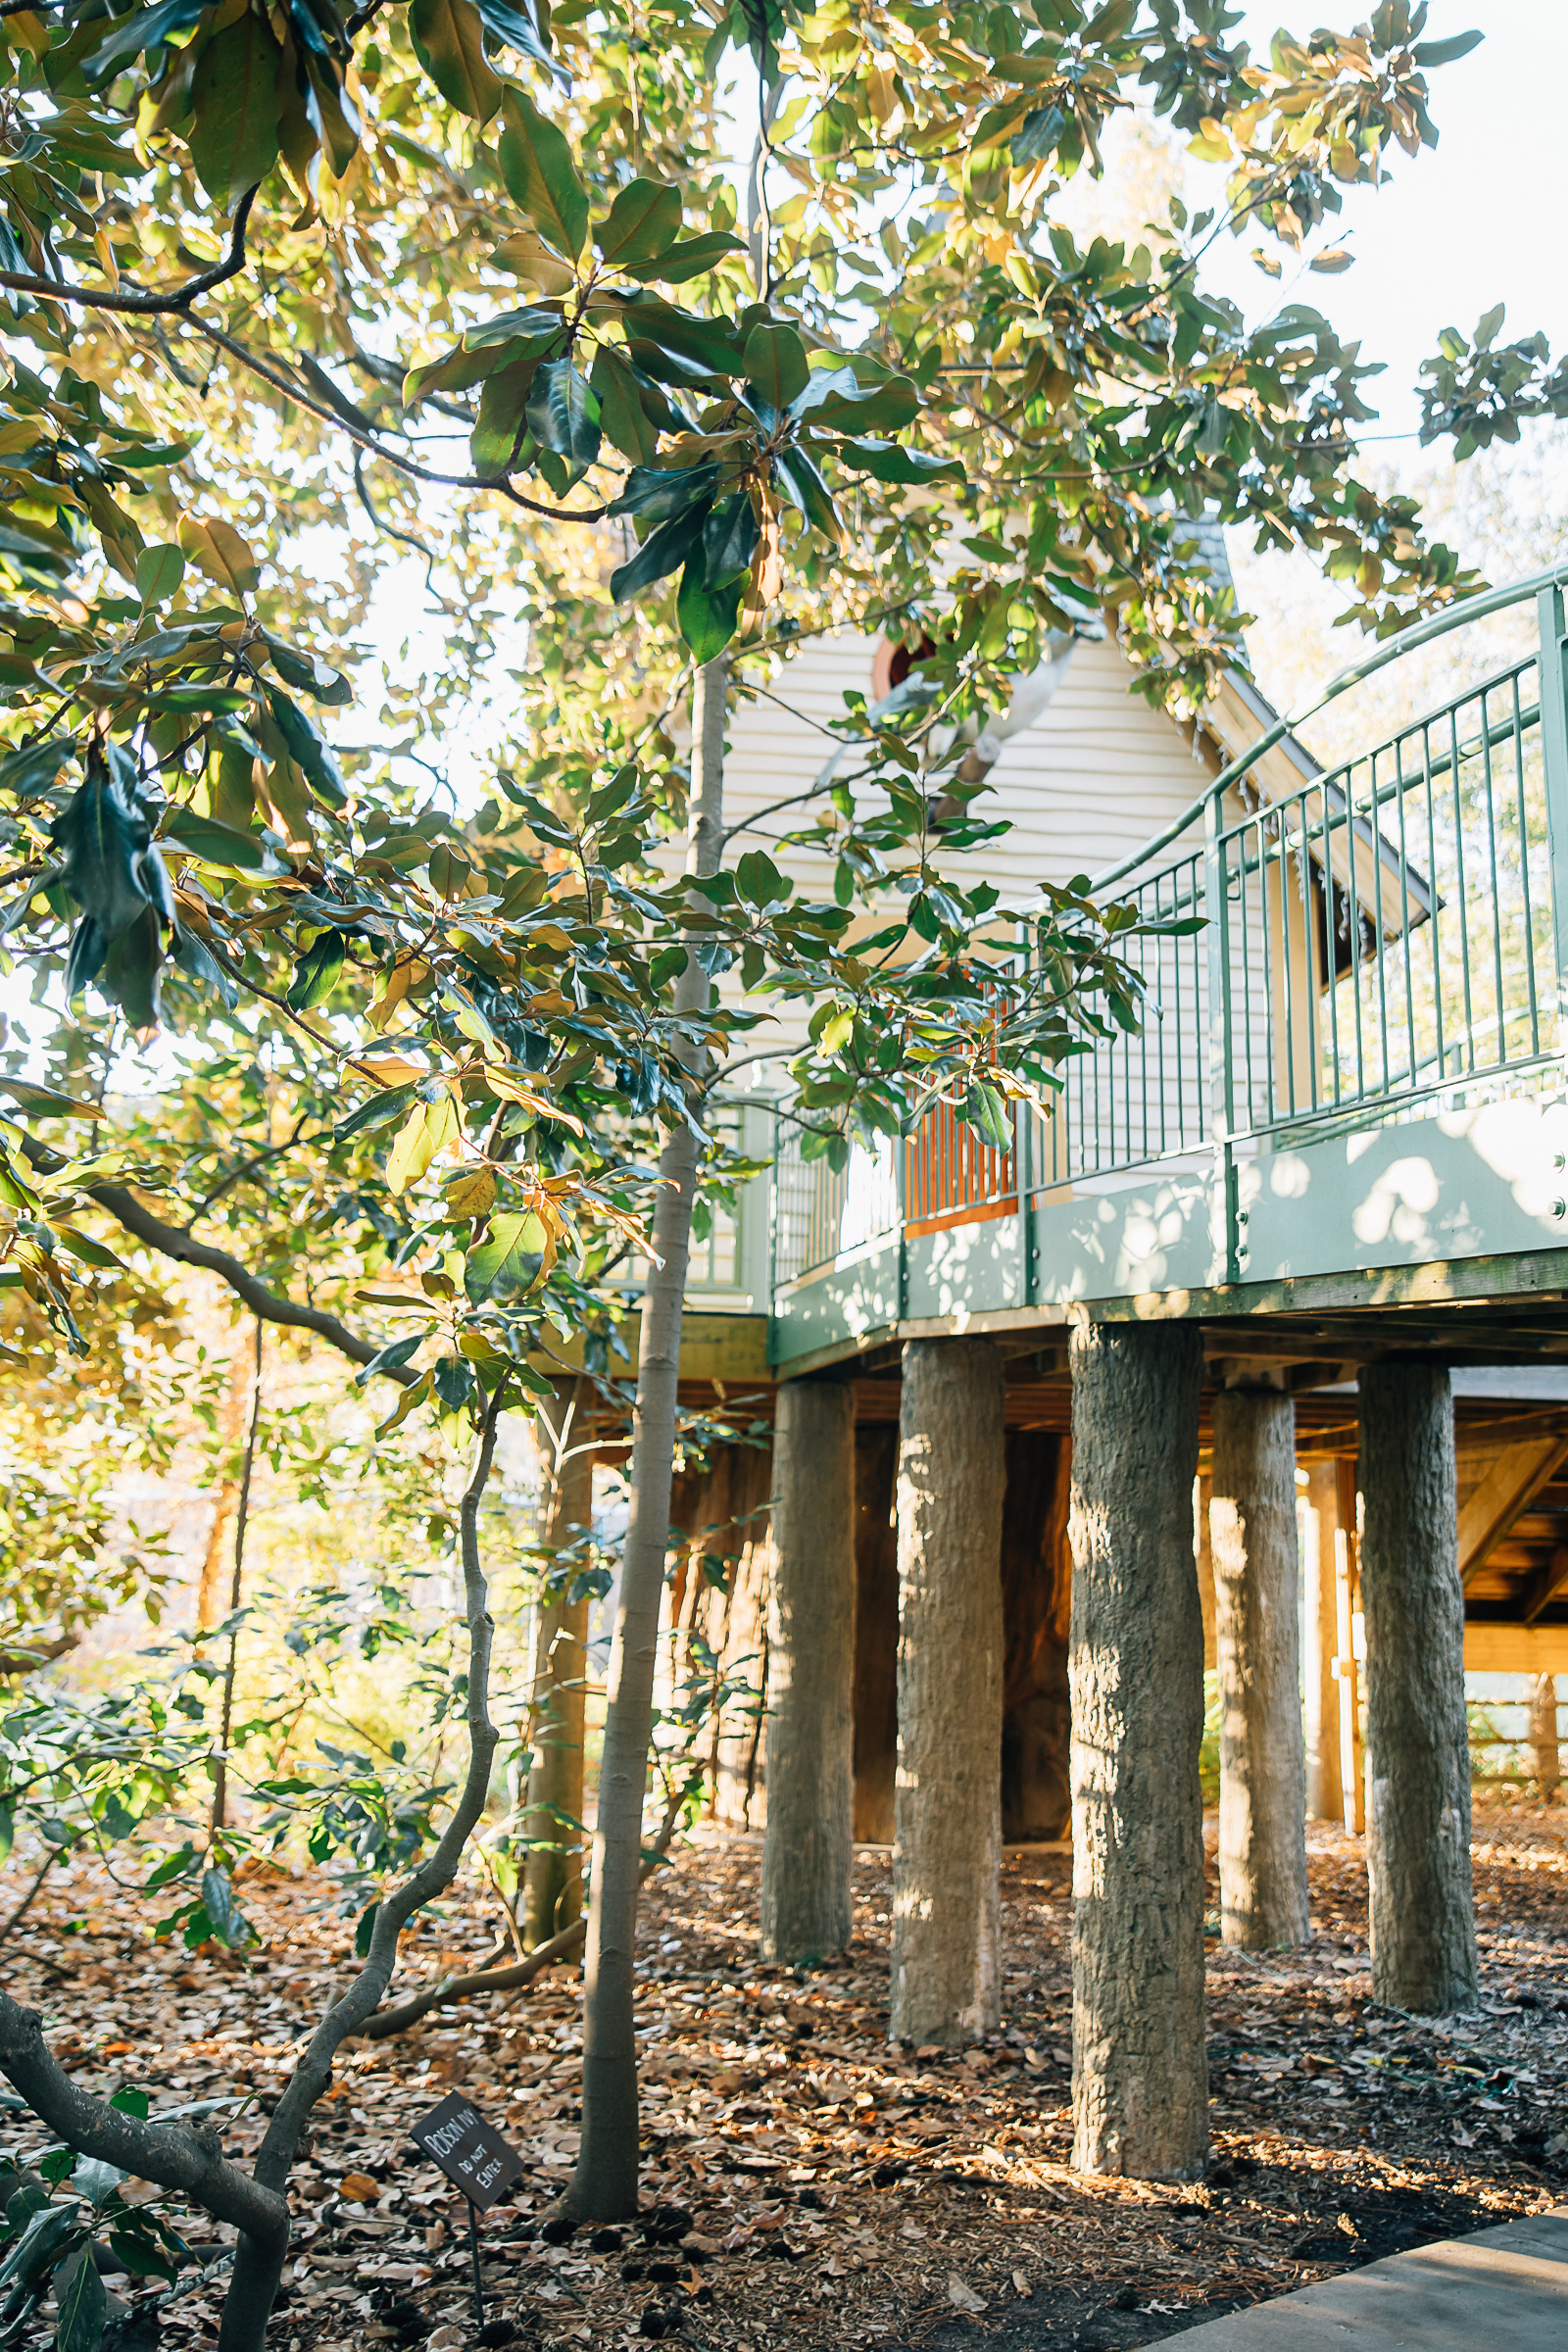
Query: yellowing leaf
(220, 552)
(409, 1402)
(421, 1136)
(471, 1193)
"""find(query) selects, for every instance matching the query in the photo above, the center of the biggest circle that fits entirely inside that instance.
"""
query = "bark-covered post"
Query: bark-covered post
(1419, 1750)
(604, 2185)
(1262, 1764)
(552, 1874)
(1140, 2070)
(947, 1855)
(808, 1844)
(1544, 1753)
(1325, 1794)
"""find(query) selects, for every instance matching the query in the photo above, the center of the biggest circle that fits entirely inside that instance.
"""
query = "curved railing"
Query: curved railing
(1381, 941)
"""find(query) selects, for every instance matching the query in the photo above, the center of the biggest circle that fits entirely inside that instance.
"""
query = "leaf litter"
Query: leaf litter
(804, 2181)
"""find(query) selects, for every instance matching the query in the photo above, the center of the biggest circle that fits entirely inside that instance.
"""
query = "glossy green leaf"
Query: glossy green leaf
(211, 843)
(494, 441)
(775, 364)
(835, 401)
(448, 37)
(515, 26)
(887, 461)
(655, 492)
(660, 554)
(317, 972)
(146, 29)
(689, 259)
(626, 424)
(729, 541)
(540, 175)
(160, 570)
(563, 412)
(707, 614)
(644, 220)
(805, 489)
(233, 141)
(310, 749)
(507, 1260)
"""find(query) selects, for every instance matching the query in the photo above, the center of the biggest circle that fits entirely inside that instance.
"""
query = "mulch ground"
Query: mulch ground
(806, 2184)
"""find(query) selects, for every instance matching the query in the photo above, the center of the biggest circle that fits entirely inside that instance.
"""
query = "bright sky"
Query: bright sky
(1474, 222)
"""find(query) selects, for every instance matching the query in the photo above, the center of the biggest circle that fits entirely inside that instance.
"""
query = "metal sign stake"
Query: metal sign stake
(473, 2250)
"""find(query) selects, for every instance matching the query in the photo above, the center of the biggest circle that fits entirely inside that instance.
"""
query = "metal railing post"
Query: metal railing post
(1221, 1074)
(1553, 680)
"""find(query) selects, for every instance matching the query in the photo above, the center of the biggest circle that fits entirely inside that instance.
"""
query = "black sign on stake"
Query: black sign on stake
(477, 2159)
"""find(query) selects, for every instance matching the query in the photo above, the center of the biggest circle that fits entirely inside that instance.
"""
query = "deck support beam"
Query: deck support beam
(947, 1856)
(1418, 1753)
(1140, 2070)
(1325, 1791)
(808, 1843)
(1263, 1762)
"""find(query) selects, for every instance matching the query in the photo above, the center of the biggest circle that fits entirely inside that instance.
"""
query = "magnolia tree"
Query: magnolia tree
(455, 292)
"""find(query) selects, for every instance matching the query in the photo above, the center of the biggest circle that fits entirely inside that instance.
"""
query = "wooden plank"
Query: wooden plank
(1516, 1648)
(1552, 1580)
(1516, 1476)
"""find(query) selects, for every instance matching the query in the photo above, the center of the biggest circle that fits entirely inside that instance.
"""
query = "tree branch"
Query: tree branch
(172, 1241)
(104, 298)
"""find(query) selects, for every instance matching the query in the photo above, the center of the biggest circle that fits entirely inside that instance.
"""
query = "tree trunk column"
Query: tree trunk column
(809, 1842)
(1418, 1753)
(1544, 1735)
(1140, 2071)
(1325, 1794)
(552, 1874)
(1262, 1765)
(947, 1856)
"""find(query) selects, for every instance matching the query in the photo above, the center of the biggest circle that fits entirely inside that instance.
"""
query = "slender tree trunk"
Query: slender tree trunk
(1544, 1735)
(808, 1846)
(1262, 1763)
(947, 1855)
(1140, 2070)
(237, 1595)
(604, 2185)
(230, 1430)
(1417, 1742)
(1325, 1795)
(553, 1879)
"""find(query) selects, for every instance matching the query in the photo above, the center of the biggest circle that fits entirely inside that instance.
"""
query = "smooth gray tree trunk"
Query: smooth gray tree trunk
(1263, 1760)
(808, 1844)
(1417, 1744)
(947, 1855)
(604, 2185)
(1140, 2071)
(1325, 1795)
(553, 1878)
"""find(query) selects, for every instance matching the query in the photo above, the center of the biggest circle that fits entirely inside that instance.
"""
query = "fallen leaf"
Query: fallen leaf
(360, 2188)
(963, 2295)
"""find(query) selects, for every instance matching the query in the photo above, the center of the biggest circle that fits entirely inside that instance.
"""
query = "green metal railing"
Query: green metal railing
(1379, 941)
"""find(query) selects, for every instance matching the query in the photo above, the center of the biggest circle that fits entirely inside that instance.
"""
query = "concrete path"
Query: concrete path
(1502, 2291)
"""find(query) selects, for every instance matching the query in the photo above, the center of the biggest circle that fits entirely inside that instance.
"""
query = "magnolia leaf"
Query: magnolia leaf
(515, 26)
(776, 364)
(644, 220)
(625, 422)
(448, 38)
(511, 1258)
(707, 611)
(655, 492)
(213, 842)
(147, 29)
(309, 749)
(233, 141)
(537, 166)
(527, 256)
(689, 259)
(426, 1131)
(1330, 263)
(663, 552)
(43, 1102)
(470, 1192)
(316, 974)
(379, 1111)
(409, 1402)
(563, 412)
(805, 489)
(493, 442)
(729, 540)
(158, 572)
(886, 462)
(217, 548)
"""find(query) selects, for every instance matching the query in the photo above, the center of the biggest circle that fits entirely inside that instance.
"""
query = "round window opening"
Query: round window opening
(893, 662)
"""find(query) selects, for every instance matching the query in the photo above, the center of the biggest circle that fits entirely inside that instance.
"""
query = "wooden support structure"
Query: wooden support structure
(1325, 1787)
(1512, 1478)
